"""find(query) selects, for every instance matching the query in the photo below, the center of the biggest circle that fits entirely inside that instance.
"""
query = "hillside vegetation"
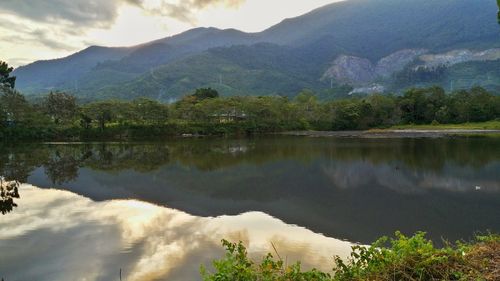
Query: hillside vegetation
(283, 59)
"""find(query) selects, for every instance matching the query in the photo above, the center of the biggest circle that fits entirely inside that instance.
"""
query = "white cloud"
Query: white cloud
(102, 13)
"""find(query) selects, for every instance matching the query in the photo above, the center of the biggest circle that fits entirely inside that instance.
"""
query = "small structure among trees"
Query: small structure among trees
(233, 115)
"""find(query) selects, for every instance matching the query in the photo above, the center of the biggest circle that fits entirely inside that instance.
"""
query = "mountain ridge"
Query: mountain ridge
(311, 43)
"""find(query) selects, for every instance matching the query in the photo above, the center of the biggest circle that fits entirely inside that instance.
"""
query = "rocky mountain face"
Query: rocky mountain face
(357, 71)
(459, 56)
(361, 72)
(396, 62)
(351, 70)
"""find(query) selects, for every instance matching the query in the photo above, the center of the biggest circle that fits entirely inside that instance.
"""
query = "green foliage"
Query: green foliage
(498, 16)
(5, 78)
(61, 107)
(205, 93)
(146, 111)
(237, 266)
(204, 113)
(101, 112)
(400, 258)
(407, 258)
(15, 111)
(423, 106)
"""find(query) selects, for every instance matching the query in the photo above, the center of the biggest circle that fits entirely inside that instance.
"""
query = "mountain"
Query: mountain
(356, 42)
(45, 75)
(104, 65)
(377, 28)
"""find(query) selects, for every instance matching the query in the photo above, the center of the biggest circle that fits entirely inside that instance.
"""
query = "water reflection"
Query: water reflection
(391, 176)
(79, 239)
(63, 160)
(351, 189)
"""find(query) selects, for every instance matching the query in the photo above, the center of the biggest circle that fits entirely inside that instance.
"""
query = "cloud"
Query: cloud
(44, 29)
(103, 13)
(21, 36)
(86, 12)
(182, 10)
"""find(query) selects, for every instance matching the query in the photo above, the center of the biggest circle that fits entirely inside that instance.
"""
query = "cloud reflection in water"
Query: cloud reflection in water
(57, 235)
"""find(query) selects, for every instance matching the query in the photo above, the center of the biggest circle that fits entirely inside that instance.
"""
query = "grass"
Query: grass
(490, 125)
(401, 258)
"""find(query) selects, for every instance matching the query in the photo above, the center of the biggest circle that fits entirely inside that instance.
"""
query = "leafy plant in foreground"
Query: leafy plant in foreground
(400, 258)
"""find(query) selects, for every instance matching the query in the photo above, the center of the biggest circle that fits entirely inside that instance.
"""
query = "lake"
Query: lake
(158, 210)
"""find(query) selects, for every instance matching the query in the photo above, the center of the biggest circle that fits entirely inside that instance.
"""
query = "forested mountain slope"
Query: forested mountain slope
(294, 54)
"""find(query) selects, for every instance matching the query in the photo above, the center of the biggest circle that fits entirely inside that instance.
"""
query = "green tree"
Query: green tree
(5, 77)
(85, 121)
(148, 111)
(14, 108)
(60, 106)
(307, 103)
(481, 105)
(475, 105)
(346, 114)
(103, 112)
(205, 93)
(420, 106)
(384, 110)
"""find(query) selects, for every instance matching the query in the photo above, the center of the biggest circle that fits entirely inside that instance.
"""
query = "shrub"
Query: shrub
(401, 258)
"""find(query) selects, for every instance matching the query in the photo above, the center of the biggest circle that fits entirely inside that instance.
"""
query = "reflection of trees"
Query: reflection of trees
(418, 154)
(138, 157)
(18, 161)
(62, 162)
(9, 190)
(63, 167)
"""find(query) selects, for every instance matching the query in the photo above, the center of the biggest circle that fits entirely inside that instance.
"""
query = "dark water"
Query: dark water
(158, 210)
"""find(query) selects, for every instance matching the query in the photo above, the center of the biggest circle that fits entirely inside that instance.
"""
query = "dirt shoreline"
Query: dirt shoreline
(409, 133)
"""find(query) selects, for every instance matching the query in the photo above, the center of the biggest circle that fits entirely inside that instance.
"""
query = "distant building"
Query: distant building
(230, 116)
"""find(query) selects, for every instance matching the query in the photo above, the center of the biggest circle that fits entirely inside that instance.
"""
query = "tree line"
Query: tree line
(60, 116)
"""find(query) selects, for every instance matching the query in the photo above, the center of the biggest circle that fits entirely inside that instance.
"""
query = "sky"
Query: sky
(45, 29)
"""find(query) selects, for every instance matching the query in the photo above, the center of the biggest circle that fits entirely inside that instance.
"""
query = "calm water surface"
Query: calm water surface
(159, 210)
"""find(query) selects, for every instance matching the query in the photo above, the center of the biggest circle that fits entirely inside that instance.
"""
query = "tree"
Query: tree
(481, 105)
(347, 115)
(420, 106)
(205, 93)
(384, 110)
(475, 105)
(149, 111)
(102, 112)
(60, 106)
(5, 77)
(498, 3)
(307, 103)
(85, 121)
(13, 106)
